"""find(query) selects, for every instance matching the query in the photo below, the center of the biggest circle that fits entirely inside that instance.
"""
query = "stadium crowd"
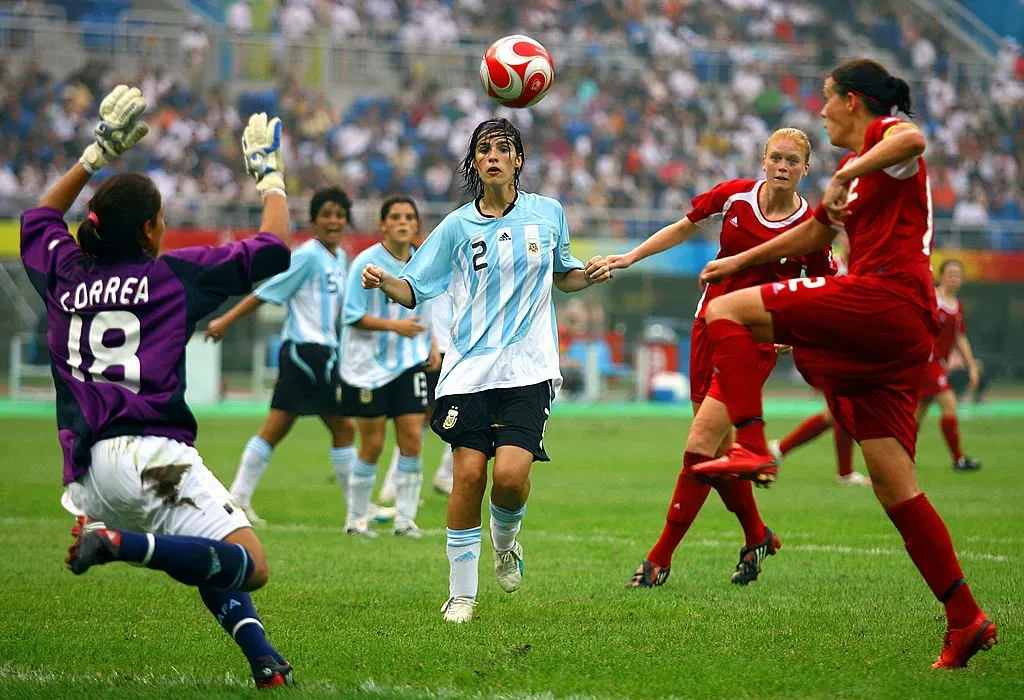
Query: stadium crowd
(601, 138)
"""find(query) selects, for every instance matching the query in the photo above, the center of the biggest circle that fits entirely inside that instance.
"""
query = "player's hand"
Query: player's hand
(408, 327)
(596, 271)
(783, 349)
(217, 329)
(373, 277)
(718, 270)
(261, 143)
(434, 360)
(120, 127)
(973, 376)
(835, 199)
(619, 262)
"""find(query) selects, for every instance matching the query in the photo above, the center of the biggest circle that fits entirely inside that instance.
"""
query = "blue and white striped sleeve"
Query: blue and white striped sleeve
(281, 287)
(564, 261)
(357, 299)
(430, 269)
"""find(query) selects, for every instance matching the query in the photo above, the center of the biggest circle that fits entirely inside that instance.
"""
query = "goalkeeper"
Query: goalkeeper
(119, 317)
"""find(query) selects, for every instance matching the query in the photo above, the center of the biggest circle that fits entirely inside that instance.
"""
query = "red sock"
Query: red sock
(844, 450)
(738, 497)
(687, 500)
(927, 541)
(737, 362)
(951, 429)
(805, 432)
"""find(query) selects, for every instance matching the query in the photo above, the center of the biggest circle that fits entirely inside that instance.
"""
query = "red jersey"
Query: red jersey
(890, 221)
(745, 226)
(951, 324)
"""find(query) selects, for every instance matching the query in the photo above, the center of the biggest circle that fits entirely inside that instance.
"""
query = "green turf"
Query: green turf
(840, 611)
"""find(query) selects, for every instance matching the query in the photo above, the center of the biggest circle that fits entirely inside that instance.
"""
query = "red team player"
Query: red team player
(864, 339)
(952, 335)
(750, 212)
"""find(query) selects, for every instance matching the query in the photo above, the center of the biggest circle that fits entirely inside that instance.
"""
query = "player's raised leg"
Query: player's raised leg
(927, 541)
(256, 458)
(464, 533)
(408, 474)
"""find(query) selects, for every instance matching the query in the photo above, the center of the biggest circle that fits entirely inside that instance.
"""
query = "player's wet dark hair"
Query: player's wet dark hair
(330, 194)
(946, 263)
(118, 211)
(878, 89)
(471, 182)
(394, 199)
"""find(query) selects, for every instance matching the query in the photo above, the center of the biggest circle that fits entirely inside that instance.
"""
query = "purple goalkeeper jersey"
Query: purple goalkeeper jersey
(117, 331)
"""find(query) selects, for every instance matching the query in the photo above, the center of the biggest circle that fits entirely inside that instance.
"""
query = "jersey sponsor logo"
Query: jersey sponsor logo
(504, 237)
(451, 419)
(365, 396)
(734, 221)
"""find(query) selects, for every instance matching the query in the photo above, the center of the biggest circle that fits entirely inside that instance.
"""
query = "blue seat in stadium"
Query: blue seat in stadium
(258, 101)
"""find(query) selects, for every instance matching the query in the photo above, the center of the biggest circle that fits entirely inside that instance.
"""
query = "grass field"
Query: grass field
(840, 611)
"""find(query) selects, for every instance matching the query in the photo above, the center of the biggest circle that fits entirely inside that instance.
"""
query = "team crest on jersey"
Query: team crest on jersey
(451, 419)
(532, 243)
(365, 396)
(337, 394)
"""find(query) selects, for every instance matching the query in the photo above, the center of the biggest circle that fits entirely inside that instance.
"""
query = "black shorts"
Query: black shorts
(432, 378)
(307, 382)
(489, 419)
(405, 394)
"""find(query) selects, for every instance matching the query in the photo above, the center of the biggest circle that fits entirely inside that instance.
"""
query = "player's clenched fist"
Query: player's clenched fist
(718, 270)
(373, 277)
(597, 270)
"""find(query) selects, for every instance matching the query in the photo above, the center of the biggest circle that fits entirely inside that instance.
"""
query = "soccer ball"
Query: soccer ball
(517, 71)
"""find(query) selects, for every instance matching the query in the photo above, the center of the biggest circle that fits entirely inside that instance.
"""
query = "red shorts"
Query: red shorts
(863, 342)
(935, 381)
(703, 382)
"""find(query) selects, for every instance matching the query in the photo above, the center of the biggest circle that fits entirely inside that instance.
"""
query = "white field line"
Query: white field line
(181, 681)
(720, 540)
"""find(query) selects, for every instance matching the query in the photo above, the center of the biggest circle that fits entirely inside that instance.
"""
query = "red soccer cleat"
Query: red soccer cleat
(739, 463)
(960, 645)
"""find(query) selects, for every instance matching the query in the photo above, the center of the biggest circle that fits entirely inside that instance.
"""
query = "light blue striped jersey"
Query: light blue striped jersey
(313, 290)
(375, 358)
(498, 272)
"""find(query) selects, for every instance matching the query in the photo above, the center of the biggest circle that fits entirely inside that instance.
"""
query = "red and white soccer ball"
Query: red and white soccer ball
(517, 71)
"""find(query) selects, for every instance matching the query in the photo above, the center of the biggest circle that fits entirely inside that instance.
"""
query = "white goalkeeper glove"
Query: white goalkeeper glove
(261, 143)
(120, 127)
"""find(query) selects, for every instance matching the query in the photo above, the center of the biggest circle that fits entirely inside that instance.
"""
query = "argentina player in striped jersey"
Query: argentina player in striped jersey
(497, 257)
(119, 316)
(383, 376)
(312, 290)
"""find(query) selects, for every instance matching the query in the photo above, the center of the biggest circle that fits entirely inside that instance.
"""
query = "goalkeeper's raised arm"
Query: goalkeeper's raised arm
(261, 144)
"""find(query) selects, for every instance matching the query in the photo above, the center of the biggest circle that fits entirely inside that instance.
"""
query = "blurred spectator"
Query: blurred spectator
(195, 44)
(239, 21)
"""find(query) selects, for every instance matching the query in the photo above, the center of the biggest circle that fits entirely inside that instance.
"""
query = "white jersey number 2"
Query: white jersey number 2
(107, 357)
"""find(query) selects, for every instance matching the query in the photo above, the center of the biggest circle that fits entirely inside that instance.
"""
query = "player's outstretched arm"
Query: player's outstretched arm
(261, 144)
(120, 127)
(219, 326)
(810, 236)
(398, 290)
(665, 238)
(406, 327)
(596, 271)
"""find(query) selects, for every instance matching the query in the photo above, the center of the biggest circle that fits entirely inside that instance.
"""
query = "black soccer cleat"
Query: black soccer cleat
(94, 545)
(645, 576)
(966, 464)
(268, 673)
(749, 567)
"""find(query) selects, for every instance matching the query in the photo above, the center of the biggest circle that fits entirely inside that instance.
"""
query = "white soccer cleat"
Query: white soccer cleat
(359, 528)
(380, 514)
(250, 513)
(443, 483)
(853, 479)
(509, 568)
(458, 609)
(775, 451)
(408, 530)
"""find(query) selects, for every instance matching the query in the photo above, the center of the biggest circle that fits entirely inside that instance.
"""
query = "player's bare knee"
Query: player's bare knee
(718, 310)
(260, 575)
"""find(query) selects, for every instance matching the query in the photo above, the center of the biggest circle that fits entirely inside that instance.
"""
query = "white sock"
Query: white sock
(360, 486)
(342, 459)
(255, 458)
(389, 478)
(464, 558)
(444, 469)
(408, 482)
(505, 526)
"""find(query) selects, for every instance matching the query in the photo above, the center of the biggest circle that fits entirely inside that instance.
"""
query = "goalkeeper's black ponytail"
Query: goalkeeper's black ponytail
(115, 226)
